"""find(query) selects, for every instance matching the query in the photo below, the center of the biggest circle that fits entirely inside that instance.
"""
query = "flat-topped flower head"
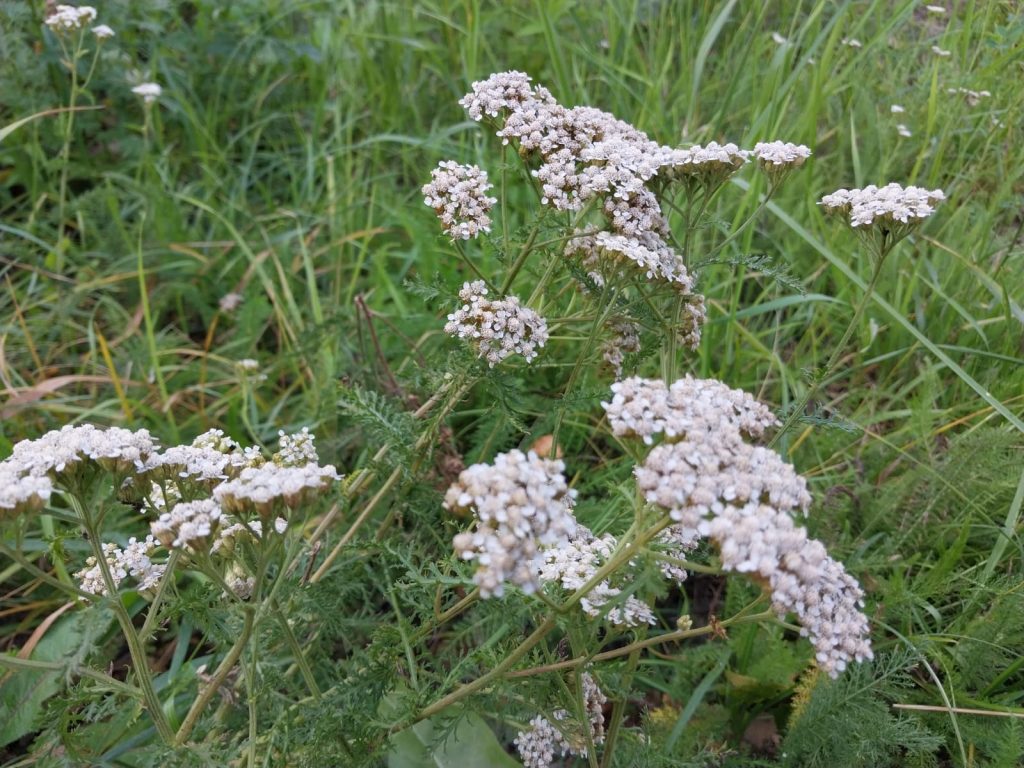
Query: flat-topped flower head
(458, 195)
(22, 492)
(211, 458)
(70, 18)
(296, 450)
(647, 407)
(885, 214)
(573, 563)
(102, 32)
(189, 525)
(702, 166)
(134, 560)
(778, 158)
(269, 487)
(521, 503)
(648, 254)
(500, 93)
(70, 448)
(149, 92)
(497, 328)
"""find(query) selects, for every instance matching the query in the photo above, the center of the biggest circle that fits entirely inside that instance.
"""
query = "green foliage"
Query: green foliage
(849, 722)
(284, 162)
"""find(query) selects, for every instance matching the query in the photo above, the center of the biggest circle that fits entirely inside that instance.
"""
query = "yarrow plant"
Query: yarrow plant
(216, 510)
(606, 482)
(621, 214)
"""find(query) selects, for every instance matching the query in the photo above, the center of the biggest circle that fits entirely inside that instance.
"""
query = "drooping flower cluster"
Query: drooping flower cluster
(132, 561)
(70, 18)
(521, 503)
(714, 484)
(543, 741)
(583, 154)
(574, 563)
(886, 206)
(498, 328)
(458, 195)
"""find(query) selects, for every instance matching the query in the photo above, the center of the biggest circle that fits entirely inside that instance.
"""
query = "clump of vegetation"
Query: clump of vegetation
(582, 507)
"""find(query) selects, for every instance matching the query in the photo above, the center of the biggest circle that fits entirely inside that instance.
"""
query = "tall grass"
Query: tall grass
(284, 162)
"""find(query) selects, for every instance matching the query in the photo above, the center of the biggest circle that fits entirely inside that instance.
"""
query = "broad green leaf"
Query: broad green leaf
(23, 693)
(471, 744)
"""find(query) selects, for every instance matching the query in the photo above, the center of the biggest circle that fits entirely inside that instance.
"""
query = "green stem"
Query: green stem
(615, 561)
(161, 590)
(639, 645)
(65, 153)
(837, 353)
(472, 267)
(443, 618)
(300, 657)
(14, 662)
(484, 680)
(250, 689)
(618, 709)
(218, 680)
(520, 260)
(140, 662)
(605, 305)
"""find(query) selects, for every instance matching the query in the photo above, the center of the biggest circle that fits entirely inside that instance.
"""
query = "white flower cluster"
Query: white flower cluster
(498, 328)
(710, 164)
(646, 407)
(585, 153)
(60, 451)
(883, 206)
(211, 458)
(676, 541)
(501, 92)
(296, 450)
(458, 195)
(188, 525)
(521, 503)
(149, 92)
(649, 253)
(543, 742)
(102, 32)
(573, 563)
(261, 489)
(973, 97)
(21, 491)
(69, 18)
(714, 484)
(780, 154)
(133, 561)
(625, 339)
